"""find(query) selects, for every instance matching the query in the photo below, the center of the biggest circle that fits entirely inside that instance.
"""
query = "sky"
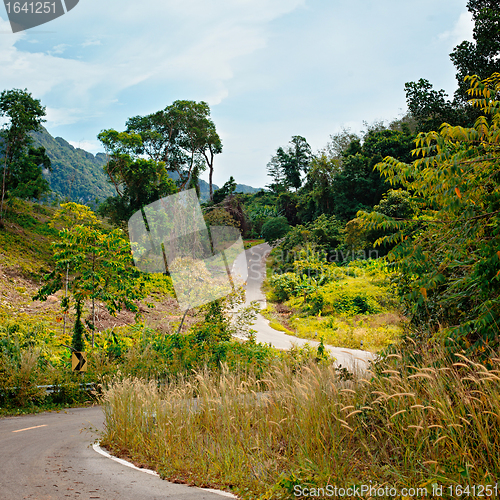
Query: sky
(269, 69)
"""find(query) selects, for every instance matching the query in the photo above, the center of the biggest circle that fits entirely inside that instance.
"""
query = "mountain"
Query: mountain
(78, 175)
(243, 188)
(240, 188)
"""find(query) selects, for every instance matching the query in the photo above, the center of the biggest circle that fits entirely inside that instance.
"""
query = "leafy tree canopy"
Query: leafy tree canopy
(22, 164)
(448, 255)
(226, 190)
(182, 136)
(287, 165)
(274, 229)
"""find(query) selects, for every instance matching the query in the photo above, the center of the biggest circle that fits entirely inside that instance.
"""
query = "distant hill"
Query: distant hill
(240, 188)
(78, 175)
(243, 188)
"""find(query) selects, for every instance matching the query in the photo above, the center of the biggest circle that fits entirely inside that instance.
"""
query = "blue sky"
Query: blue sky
(269, 69)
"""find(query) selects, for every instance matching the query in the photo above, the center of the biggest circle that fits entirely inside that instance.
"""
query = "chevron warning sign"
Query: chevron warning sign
(79, 361)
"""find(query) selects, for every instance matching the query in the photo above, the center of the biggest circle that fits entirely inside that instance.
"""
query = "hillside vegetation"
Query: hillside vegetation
(76, 174)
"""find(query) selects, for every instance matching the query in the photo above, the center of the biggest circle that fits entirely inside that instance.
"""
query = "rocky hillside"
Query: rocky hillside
(78, 175)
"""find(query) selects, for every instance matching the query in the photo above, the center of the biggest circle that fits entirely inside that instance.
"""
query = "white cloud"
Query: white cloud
(461, 31)
(58, 49)
(270, 69)
(90, 43)
(63, 116)
(90, 146)
(149, 46)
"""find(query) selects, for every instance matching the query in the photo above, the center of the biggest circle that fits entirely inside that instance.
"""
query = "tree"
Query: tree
(137, 181)
(92, 265)
(429, 107)
(481, 57)
(339, 143)
(448, 255)
(275, 171)
(22, 164)
(319, 182)
(274, 229)
(356, 185)
(182, 136)
(287, 166)
(299, 157)
(226, 190)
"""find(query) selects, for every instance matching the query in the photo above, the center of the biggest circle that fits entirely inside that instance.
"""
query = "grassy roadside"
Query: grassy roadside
(251, 243)
(367, 332)
(411, 422)
(47, 407)
(348, 306)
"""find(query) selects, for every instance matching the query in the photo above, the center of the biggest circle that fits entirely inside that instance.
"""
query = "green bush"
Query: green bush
(285, 285)
(274, 229)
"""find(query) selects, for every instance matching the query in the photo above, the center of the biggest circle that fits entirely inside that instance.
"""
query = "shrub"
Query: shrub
(285, 285)
(274, 229)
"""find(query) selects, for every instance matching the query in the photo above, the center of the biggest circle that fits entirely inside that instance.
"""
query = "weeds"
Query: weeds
(399, 425)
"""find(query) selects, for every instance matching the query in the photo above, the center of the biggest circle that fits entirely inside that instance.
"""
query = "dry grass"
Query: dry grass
(404, 426)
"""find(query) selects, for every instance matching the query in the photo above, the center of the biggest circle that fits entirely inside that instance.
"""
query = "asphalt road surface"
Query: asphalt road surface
(50, 456)
(255, 256)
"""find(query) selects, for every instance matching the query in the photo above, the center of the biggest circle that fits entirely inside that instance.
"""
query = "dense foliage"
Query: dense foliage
(76, 175)
(22, 164)
(448, 253)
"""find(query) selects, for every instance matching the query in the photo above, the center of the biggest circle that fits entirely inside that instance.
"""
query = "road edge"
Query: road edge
(97, 448)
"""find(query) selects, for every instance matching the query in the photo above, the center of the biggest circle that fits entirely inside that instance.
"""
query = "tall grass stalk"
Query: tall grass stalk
(403, 426)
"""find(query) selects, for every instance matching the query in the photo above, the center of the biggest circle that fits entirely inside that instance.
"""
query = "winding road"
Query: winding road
(255, 257)
(50, 456)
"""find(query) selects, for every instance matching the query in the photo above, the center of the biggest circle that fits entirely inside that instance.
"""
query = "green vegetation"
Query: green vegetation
(391, 244)
(400, 426)
(91, 264)
(274, 229)
(448, 253)
(76, 175)
(387, 240)
(70, 246)
(349, 306)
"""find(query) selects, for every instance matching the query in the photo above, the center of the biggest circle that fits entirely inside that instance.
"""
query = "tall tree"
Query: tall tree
(430, 108)
(482, 56)
(226, 190)
(319, 195)
(182, 136)
(276, 172)
(21, 163)
(137, 181)
(356, 185)
(287, 165)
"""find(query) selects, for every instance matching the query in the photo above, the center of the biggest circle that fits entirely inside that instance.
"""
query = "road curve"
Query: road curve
(256, 262)
(49, 456)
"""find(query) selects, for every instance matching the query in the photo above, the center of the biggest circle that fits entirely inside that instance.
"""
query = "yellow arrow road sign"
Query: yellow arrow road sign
(79, 361)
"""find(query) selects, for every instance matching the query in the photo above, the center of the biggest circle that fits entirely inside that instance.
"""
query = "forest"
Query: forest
(387, 240)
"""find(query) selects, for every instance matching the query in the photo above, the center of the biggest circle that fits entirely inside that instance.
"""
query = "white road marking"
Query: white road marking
(152, 472)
